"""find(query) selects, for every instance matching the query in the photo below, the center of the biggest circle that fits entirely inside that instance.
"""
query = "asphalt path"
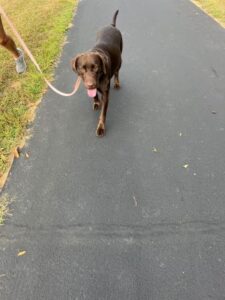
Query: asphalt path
(140, 213)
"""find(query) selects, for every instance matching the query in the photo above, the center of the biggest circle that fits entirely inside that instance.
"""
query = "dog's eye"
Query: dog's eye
(94, 68)
(81, 69)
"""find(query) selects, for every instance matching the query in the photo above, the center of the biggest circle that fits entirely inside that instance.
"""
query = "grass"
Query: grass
(4, 202)
(42, 24)
(215, 8)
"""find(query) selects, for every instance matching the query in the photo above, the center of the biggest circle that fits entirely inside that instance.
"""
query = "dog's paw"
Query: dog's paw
(100, 131)
(96, 105)
(117, 85)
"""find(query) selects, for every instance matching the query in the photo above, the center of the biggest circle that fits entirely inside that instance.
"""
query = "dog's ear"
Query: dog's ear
(104, 62)
(75, 61)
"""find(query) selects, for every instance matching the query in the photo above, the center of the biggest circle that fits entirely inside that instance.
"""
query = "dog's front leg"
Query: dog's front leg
(100, 131)
(96, 103)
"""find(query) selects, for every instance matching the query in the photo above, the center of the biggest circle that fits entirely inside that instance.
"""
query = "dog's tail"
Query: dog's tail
(114, 18)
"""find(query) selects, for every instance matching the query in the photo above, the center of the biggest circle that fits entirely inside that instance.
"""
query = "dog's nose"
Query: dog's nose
(90, 86)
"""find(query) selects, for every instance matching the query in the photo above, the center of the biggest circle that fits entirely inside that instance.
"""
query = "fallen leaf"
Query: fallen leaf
(186, 166)
(135, 201)
(21, 253)
(16, 153)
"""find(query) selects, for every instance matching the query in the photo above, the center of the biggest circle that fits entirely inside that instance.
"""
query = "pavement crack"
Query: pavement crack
(214, 72)
(14, 231)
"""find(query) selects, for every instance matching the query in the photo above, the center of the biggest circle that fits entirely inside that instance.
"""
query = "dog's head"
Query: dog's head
(90, 66)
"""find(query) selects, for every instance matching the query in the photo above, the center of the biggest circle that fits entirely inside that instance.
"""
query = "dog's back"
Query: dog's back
(109, 39)
(110, 36)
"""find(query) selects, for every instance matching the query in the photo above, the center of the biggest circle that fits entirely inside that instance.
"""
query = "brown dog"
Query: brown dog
(97, 66)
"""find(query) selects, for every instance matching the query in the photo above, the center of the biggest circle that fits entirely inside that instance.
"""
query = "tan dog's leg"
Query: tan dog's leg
(7, 42)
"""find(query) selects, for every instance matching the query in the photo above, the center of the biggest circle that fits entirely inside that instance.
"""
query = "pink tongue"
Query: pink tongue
(92, 93)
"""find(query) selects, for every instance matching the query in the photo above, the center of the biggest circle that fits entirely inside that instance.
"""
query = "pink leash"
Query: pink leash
(26, 49)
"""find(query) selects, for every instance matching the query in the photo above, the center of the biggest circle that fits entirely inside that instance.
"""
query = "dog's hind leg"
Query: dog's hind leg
(116, 80)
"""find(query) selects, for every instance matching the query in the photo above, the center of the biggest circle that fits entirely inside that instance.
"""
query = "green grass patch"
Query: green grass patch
(215, 8)
(43, 25)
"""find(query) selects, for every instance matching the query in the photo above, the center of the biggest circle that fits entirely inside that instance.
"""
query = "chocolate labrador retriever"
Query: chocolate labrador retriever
(97, 66)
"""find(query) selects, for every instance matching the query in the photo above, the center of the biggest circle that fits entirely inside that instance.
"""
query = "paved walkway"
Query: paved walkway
(140, 213)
